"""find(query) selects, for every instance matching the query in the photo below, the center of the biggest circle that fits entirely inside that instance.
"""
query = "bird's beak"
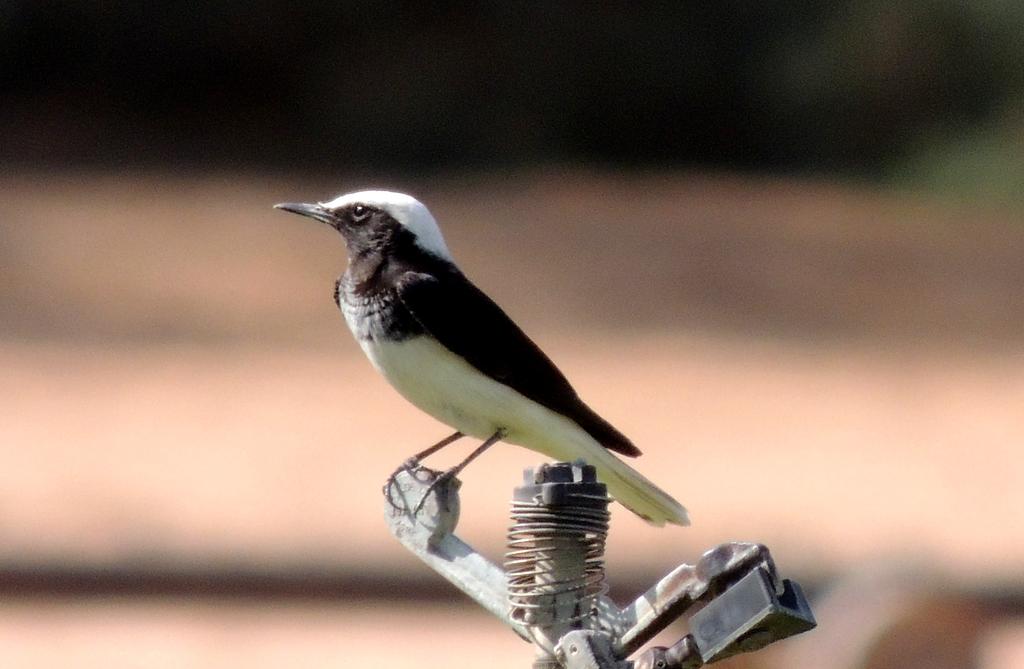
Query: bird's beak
(314, 211)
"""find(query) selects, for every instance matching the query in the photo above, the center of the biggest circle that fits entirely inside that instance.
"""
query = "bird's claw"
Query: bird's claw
(442, 478)
(409, 466)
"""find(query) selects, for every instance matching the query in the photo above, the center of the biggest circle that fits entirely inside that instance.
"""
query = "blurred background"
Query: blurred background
(779, 244)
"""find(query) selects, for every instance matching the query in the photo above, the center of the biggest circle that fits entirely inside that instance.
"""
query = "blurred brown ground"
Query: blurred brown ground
(836, 372)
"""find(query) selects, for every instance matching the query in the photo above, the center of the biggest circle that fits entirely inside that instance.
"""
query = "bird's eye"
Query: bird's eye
(360, 213)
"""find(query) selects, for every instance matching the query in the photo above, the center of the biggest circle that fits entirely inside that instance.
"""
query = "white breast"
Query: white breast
(443, 384)
(451, 390)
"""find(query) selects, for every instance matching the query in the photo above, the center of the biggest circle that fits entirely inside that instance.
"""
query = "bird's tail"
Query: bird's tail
(565, 440)
(631, 489)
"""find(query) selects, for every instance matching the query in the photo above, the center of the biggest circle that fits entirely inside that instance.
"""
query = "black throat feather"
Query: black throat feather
(366, 293)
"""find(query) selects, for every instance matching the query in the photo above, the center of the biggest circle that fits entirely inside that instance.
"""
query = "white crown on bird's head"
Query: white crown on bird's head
(410, 213)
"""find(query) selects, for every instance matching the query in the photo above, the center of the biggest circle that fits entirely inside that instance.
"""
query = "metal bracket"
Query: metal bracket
(587, 649)
(748, 616)
(429, 535)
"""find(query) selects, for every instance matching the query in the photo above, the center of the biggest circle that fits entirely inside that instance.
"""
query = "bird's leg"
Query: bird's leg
(414, 461)
(454, 471)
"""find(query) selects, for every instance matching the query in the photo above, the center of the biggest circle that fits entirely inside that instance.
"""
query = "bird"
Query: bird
(451, 351)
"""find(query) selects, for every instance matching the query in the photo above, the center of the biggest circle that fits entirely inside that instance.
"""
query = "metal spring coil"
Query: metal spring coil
(553, 551)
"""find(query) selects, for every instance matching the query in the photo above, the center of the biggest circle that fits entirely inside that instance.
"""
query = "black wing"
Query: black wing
(468, 323)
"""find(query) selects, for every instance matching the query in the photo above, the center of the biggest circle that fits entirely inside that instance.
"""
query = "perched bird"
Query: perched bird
(452, 352)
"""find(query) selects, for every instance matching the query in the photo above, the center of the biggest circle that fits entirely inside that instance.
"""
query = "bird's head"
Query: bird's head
(371, 220)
